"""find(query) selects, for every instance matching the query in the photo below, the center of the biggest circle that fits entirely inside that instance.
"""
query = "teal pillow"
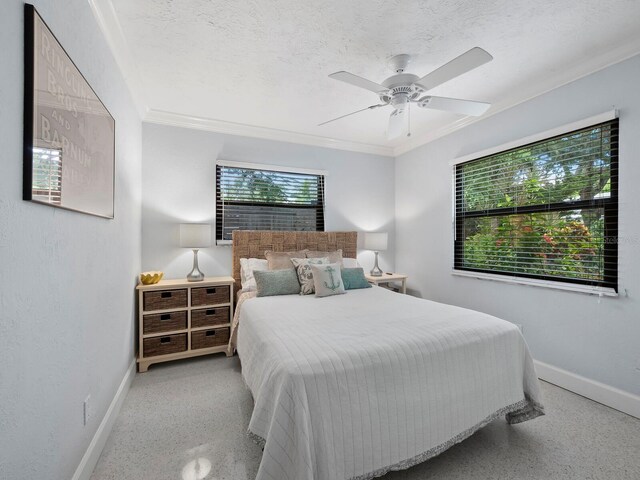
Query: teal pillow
(276, 282)
(353, 278)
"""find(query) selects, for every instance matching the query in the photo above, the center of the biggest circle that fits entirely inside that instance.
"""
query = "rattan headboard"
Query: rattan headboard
(253, 243)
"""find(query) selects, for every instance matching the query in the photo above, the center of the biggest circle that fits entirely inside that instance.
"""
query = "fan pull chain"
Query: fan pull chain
(409, 119)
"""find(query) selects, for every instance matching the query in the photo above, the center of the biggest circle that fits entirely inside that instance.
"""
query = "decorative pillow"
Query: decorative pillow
(350, 263)
(353, 278)
(334, 257)
(276, 282)
(305, 277)
(327, 279)
(282, 260)
(247, 267)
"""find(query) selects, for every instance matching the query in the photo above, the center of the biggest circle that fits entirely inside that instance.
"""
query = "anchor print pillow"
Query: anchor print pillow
(327, 280)
(303, 269)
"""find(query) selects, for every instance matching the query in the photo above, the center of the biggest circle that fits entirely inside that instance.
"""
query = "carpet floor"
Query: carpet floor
(187, 420)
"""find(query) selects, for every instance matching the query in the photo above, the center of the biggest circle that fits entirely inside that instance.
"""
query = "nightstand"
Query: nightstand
(179, 319)
(388, 278)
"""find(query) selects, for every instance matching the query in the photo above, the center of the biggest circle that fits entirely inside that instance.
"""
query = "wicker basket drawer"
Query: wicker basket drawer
(165, 299)
(209, 338)
(164, 322)
(164, 345)
(208, 317)
(210, 295)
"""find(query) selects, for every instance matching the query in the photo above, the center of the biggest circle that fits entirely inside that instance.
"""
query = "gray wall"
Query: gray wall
(66, 279)
(178, 185)
(594, 338)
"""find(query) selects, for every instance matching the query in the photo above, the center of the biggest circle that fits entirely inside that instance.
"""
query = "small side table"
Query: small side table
(388, 278)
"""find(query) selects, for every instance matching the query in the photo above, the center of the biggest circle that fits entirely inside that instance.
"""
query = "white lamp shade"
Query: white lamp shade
(195, 235)
(375, 241)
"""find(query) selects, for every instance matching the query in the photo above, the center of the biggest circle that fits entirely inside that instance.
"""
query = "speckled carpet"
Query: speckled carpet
(187, 421)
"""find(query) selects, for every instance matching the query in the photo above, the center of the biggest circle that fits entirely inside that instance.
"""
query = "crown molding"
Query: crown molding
(110, 26)
(219, 126)
(617, 55)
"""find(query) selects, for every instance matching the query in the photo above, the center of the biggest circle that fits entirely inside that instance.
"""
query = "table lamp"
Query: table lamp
(195, 236)
(375, 241)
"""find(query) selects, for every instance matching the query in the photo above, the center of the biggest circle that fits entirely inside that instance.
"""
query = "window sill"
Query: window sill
(571, 287)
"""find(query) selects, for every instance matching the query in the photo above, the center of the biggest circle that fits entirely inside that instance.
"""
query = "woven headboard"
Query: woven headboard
(253, 243)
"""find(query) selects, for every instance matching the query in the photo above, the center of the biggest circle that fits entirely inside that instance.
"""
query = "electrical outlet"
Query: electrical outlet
(86, 410)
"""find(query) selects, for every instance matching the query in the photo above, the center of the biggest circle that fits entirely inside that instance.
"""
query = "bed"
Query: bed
(353, 386)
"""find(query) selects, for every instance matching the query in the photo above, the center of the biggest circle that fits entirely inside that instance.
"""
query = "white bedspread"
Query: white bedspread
(355, 385)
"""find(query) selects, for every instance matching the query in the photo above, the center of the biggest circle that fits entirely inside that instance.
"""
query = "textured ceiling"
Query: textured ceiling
(265, 63)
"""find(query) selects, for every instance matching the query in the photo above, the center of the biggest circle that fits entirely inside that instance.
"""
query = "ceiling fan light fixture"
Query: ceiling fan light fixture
(401, 89)
(400, 101)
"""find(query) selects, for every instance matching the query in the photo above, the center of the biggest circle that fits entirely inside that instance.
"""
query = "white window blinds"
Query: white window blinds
(47, 175)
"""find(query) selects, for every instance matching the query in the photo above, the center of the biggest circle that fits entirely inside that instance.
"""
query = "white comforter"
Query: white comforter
(355, 385)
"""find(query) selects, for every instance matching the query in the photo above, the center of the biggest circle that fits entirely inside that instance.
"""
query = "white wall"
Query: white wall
(178, 185)
(66, 279)
(596, 339)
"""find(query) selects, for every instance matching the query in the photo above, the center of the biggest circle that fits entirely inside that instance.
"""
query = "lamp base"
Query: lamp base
(195, 275)
(375, 271)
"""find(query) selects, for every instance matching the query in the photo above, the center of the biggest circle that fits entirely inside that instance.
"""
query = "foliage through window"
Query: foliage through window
(255, 199)
(547, 210)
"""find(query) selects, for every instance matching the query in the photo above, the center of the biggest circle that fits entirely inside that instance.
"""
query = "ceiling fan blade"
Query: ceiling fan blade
(459, 65)
(455, 105)
(357, 81)
(353, 113)
(398, 124)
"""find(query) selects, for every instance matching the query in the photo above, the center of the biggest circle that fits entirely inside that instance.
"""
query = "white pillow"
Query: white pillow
(327, 279)
(247, 267)
(350, 263)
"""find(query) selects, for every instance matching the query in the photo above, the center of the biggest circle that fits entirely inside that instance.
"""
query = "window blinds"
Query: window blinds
(547, 210)
(255, 199)
(47, 175)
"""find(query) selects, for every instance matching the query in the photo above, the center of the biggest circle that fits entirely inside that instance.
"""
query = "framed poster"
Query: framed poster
(69, 135)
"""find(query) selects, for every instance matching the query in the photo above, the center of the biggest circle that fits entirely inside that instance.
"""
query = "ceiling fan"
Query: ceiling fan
(402, 89)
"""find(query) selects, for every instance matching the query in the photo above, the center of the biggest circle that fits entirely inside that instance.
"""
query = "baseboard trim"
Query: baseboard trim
(599, 392)
(91, 456)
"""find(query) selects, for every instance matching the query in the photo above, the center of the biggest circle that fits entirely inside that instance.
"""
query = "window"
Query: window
(547, 210)
(47, 175)
(261, 199)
